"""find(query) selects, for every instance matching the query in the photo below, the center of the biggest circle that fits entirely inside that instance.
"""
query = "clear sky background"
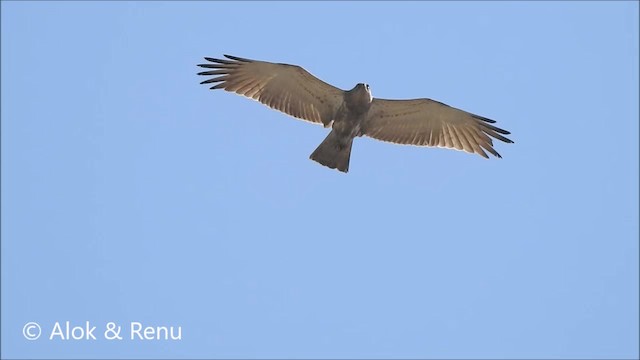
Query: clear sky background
(132, 193)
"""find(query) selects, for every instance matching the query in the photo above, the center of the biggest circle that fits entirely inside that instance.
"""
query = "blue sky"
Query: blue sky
(130, 193)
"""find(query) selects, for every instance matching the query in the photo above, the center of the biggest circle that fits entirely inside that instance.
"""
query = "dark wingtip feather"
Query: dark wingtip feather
(210, 66)
(214, 72)
(236, 58)
(220, 61)
(212, 80)
(495, 153)
(494, 132)
(498, 130)
(483, 119)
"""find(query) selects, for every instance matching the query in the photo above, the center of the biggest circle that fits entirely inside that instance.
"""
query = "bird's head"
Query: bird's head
(363, 89)
(359, 98)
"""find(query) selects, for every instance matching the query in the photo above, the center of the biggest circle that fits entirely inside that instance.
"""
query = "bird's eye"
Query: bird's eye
(367, 86)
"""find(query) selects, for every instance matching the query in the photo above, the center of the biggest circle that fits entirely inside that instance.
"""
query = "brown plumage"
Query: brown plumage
(294, 91)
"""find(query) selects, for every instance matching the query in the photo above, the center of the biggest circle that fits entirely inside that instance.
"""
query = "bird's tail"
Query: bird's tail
(334, 151)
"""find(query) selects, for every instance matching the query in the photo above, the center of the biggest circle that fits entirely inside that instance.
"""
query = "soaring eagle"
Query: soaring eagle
(294, 91)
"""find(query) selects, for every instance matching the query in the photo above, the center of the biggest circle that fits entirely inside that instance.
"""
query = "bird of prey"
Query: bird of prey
(294, 91)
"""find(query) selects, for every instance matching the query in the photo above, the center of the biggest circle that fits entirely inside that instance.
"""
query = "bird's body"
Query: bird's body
(335, 150)
(353, 113)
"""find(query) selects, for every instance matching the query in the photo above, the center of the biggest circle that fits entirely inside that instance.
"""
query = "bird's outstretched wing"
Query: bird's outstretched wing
(287, 88)
(425, 122)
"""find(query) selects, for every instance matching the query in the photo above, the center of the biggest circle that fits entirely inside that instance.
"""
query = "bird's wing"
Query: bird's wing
(425, 122)
(287, 88)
